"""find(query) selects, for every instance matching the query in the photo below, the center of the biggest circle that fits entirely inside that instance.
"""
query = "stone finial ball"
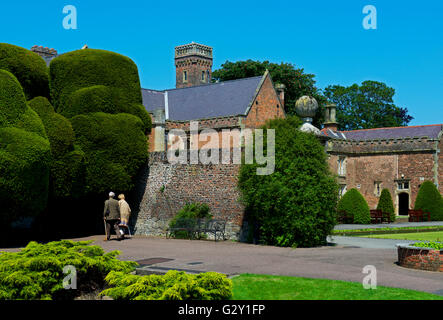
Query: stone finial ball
(306, 107)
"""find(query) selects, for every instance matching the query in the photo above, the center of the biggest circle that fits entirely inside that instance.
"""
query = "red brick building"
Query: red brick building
(399, 159)
(234, 105)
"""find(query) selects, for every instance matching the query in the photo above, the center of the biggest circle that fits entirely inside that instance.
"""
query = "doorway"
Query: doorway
(403, 204)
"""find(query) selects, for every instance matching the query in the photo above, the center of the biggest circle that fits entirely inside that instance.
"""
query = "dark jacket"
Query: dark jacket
(112, 210)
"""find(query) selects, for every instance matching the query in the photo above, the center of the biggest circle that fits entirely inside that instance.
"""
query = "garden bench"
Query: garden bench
(378, 216)
(195, 227)
(343, 217)
(418, 215)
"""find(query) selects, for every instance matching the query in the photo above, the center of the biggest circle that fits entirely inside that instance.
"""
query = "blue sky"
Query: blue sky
(325, 38)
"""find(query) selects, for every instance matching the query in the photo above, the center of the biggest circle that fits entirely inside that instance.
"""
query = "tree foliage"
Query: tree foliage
(385, 204)
(355, 205)
(297, 82)
(365, 106)
(295, 205)
(430, 200)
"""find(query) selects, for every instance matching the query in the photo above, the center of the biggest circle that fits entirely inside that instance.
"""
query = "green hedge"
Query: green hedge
(355, 205)
(295, 205)
(430, 200)
(36, 272)
(67, 165)
(58, 128)
(82, 69)
(115, 148)
(29, 68)
(174, 285)
(24, 154)
(103, 99)
(24, 171)
(385, 204)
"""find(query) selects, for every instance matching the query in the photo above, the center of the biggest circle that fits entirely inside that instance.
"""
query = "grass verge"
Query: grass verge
(420, 236)
(268, 287)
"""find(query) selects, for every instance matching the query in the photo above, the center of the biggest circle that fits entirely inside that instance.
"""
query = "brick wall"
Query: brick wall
(265, 106)
(165, 188)
(384, 162)
(422, 259)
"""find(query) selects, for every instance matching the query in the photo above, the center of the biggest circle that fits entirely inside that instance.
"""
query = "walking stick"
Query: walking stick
(106, 231)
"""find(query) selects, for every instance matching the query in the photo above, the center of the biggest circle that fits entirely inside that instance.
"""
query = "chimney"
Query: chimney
(44, 51)
(330, 119)
(280, 88)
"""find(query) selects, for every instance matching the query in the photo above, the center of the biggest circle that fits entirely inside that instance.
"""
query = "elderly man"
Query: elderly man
(111, 216)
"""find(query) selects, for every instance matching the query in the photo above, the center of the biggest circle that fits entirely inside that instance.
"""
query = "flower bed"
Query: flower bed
(421, 255)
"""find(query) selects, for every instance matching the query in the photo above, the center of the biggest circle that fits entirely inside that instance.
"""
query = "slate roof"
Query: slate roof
(430, 131)
(227, 98)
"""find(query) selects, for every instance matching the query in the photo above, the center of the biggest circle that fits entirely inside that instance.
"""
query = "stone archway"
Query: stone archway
(403, 203)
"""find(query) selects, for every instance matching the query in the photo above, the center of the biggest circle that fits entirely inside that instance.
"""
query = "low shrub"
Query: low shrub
(36, 272)
(355, 205)
(430, 244)
(385, 204)
(174, 285)
(430, 200)
(187, 217)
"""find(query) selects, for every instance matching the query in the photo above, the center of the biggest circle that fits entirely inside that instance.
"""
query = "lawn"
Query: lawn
(422, 236)
(267, 287)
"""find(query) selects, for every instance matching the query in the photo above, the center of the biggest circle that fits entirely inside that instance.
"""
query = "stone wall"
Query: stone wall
(165, 188)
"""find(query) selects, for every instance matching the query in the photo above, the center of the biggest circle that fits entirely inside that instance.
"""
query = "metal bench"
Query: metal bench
(196, 227)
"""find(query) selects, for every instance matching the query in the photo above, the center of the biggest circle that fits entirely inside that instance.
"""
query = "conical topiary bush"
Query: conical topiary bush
(430, 200)
(385, 204)
(355, 205)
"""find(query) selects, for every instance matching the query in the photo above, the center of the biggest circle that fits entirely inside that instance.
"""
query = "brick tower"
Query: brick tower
(193, 65)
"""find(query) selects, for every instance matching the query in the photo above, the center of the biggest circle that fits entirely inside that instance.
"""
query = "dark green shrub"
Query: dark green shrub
(81, 69)
(114, 146)
(24, 155)
(103, 99)
(36, 272)
(28, 67)
(24, 171)
(58, 128)
(187, 218)
(430, 200)
(295, 205)
(68, 162)
(174, 285)
(385, 204)
(355, 205)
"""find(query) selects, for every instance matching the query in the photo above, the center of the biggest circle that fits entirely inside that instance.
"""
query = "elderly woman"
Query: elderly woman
(125, 210)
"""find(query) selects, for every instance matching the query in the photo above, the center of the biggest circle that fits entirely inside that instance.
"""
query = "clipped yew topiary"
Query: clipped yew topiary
(295, 205)
(83, 69)
(430, 200)
(385, 204)
(355, 205)
(28, 67)
(24, 155)
(115, 147)
(67, 165)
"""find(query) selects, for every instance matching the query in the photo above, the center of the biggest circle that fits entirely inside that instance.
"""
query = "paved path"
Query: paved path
(370, 243)
(341, 262)
(391, 225)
